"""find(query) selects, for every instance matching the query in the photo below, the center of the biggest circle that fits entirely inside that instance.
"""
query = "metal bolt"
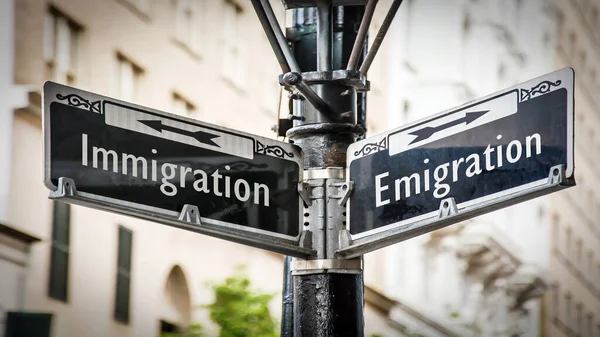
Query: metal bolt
(292, 78)
(294, 95)
(295, 118)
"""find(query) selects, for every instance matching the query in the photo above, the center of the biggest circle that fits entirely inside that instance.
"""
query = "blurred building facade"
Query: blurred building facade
(209, 60)
(100, 274)
(531, 269)
(73, 271)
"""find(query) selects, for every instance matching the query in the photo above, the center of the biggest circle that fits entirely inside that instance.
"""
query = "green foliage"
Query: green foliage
(238, 310)
(241, 311)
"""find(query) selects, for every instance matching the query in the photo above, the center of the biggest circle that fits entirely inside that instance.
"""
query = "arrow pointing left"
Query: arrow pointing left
(200, 136)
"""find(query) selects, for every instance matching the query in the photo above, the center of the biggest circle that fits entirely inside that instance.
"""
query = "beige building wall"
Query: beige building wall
(573, 307)
(143, 34)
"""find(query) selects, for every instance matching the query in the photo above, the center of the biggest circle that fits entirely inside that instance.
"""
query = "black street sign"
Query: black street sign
(121, 157)
(504, 148)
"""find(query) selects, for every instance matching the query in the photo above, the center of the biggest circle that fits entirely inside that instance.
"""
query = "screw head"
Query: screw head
(292, 78)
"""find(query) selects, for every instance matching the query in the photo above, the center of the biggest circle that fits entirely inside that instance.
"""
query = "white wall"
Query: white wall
(13, 262)
(11, 97)
(440, 65)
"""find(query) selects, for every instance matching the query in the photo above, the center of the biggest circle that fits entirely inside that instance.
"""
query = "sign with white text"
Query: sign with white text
(481, 156)
(139, 161)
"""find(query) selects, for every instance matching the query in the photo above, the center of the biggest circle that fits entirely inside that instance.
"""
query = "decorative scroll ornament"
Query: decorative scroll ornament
(78, 101)
(540, 88)
(245, 166)
(273, 150)
(369, 148)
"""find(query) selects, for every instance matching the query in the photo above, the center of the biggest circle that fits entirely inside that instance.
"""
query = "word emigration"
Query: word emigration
(512, 154)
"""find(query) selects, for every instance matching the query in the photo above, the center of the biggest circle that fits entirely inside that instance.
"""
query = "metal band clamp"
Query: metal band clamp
(320, 266)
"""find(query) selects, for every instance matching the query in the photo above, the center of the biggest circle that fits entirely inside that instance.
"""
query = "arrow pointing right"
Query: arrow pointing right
(428, 131)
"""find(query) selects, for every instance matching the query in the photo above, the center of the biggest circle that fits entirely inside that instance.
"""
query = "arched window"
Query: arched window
(176, 311)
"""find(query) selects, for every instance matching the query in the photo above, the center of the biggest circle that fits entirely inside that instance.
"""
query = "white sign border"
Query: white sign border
(88, 100)
(379, 142)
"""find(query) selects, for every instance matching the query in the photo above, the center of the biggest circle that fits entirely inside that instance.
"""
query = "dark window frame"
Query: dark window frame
(168, 327)
(58, 278)
(122, 297)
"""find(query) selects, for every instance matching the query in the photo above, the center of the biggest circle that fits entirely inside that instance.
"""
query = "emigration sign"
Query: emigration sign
(117, 156)
(487, 154)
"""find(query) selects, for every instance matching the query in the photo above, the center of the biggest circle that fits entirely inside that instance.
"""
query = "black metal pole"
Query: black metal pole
(287, 303)
(328, 297)
(329, 103)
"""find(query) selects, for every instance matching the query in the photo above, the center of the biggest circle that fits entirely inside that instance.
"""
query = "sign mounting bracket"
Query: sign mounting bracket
(66, 188)
(447, 208)
(304, 193)
(306, 239)
(346, 192)
(556, 176)
(190, 213)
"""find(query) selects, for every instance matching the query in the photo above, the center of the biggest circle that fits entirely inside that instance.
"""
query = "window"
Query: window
(568, 310)
(556, 302)
(59, 252)
(572, 42)
(232, 60)
(187, 22)
(594, 16)
(589, 269)
(589, 330)
(582, 59)
(555, 232)
(466, 25)
(128, 79)
(579, 310)
(578, 252)
(501, 71)
(60, 46)
(568, 243)
(560, 21)
(405, 110)
(166, 327)
(123, 275)
(30, 324)
(181, 106)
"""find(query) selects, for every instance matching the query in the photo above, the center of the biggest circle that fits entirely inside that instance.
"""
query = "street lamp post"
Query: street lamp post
(324, 72)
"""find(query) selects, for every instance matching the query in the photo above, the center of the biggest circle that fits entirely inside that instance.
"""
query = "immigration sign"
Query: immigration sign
(489, 153)
(117, 156)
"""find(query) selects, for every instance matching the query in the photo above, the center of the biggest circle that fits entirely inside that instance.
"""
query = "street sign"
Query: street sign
(490, 153)
(107, 154)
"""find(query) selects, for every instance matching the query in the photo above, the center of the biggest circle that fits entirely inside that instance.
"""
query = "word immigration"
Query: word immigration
(150, 169)
(471, 166)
